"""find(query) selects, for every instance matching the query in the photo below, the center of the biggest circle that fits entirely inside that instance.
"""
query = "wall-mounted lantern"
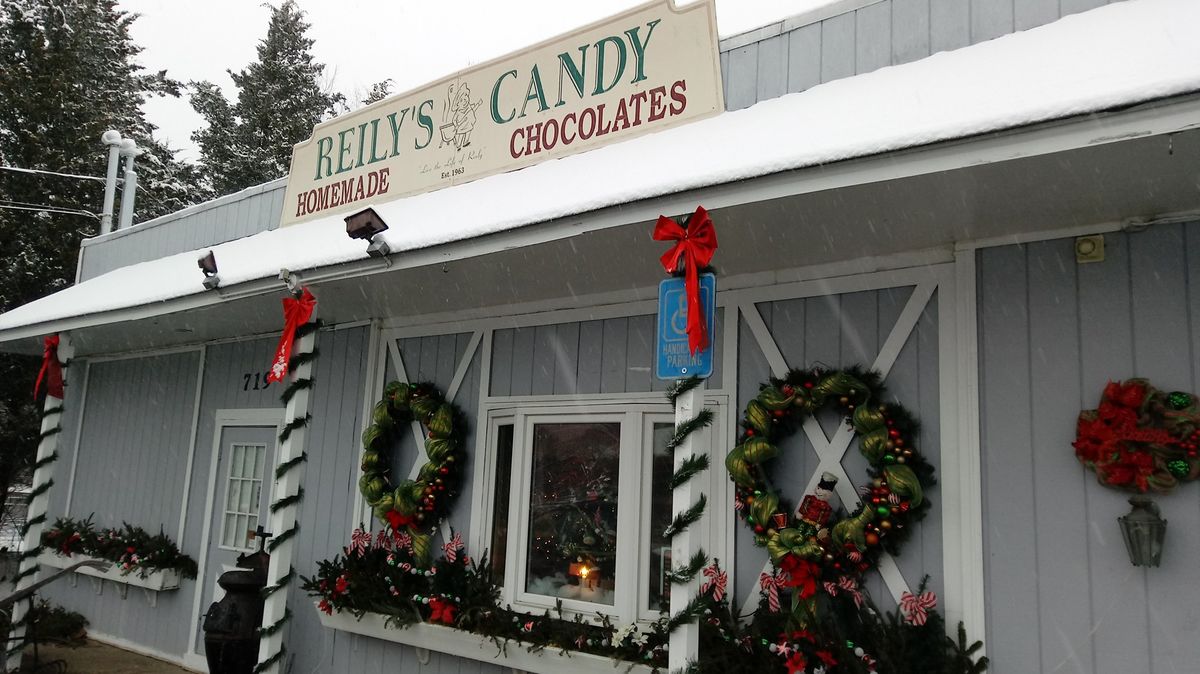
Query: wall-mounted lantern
(1143, 530)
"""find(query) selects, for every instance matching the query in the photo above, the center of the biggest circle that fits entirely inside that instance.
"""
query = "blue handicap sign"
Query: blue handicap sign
(674, 359)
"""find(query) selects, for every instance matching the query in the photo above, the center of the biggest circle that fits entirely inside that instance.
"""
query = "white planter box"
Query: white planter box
(476, 647)
(157, 580)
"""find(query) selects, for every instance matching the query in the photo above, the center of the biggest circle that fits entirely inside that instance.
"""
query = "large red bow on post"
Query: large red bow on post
(51, 370)
(296, 312)
(695, 246)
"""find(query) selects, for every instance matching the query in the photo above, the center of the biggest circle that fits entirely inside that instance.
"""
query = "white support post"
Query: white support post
(28, 570)
(685, 641)
(284, 519)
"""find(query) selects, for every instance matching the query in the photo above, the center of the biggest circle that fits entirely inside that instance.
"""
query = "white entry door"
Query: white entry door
(243, 492)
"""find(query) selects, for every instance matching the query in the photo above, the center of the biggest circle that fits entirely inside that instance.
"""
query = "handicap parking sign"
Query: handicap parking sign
(674, 360)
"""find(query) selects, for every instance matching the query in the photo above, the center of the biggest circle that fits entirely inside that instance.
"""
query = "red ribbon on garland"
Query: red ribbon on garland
(51, 370)
(296, 312)
(695, 247)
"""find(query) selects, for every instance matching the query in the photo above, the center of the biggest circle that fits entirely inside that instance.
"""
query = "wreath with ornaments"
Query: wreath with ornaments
(412, 508)
(811, 547)
(1141, 438)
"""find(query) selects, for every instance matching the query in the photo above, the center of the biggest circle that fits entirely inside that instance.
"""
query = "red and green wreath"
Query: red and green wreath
(813, 548)
(1141, 438)
(412, 507)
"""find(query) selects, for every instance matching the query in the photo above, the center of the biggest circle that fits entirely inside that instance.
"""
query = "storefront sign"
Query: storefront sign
(644, 70)
(674, 358)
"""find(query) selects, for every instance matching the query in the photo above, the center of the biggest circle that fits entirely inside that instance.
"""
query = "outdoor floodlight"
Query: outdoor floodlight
(208, 265)
(1143, 530)
(366, 224)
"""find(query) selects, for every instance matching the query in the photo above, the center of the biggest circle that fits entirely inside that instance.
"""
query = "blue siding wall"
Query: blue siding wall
(131, 467)
(1061, 593)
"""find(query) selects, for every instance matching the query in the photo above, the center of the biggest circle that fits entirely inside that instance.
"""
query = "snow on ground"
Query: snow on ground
(1116, 55)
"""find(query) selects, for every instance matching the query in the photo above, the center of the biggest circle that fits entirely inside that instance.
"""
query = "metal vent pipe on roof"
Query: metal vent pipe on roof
(130, 151)
(112, 139)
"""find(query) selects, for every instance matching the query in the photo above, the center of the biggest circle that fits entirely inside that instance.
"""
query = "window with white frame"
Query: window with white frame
(243, 494)
(581, 499)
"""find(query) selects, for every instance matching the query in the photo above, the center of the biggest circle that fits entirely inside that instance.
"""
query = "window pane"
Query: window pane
(235, 468)
(229, 539)
(504, 442)
(258, 461)
(660, 516)
(573, 511)
(234, 494)
(244, 503)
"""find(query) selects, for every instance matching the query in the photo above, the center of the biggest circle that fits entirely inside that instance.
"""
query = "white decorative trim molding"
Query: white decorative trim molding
(459, 643)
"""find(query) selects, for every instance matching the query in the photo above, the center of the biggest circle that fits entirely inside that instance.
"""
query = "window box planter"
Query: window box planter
(155, 581)
(476, 647)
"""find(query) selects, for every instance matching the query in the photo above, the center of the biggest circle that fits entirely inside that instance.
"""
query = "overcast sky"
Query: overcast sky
(365, 41)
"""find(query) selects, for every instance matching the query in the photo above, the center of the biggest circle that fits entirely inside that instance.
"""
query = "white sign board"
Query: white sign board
(643, 70)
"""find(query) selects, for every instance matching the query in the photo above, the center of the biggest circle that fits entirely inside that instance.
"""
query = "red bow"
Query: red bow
(441, 611)
(296, 312)
(51, 370)
(695, 246)
(717, 580)
(398, 519)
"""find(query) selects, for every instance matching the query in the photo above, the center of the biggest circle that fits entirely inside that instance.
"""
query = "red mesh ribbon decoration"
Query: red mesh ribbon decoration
(296, 312)
(695, 246)
(51, 370)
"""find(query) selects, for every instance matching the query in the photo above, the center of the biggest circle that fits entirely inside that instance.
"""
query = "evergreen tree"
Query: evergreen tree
(67, 74)
(280, 98)
(379, 91)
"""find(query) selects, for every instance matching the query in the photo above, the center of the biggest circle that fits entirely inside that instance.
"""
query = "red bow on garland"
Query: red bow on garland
(398, 519)
(51, 370)
(695, 247)
(296, 312)
(441, 611)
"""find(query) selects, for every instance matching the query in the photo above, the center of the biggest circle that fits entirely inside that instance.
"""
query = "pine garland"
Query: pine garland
(682, 386)
(283, 468)
(294, 387)
(686, 518)
(272, 629)
(41, 489)
(279, 539)
(688, 469)
(31, 522)
(265, 664)
(693, 610)
(50, 431)
(685, 574)
(294, 424)
(52, 410)
(285, 580)
(686, 428)
(286, 501)
(46, 460)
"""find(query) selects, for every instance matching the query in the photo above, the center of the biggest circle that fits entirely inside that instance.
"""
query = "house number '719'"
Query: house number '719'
(259, 378)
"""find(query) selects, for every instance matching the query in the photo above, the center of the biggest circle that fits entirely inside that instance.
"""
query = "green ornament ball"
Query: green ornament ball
(1179, 400)
(1179, 468)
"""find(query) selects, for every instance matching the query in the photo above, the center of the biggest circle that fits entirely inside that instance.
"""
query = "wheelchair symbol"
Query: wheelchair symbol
(678, 318)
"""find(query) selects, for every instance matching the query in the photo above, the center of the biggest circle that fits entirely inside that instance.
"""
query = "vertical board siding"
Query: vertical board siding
(840, 331)
(1061, 593)
(133, 447)
(873, 37)
(613, 355)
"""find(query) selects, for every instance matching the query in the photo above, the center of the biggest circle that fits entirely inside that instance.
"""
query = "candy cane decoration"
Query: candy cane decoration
(451, 547)
(717, 579)
(770, 583)
(359, 542)
(383, 541)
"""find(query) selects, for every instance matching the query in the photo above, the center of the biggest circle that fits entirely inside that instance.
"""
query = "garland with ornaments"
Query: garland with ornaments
(810, 547)
(131, 548)
(1141, 438)
(414, 507)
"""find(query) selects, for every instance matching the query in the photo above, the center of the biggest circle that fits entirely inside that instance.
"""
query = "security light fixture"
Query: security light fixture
(366, 224)
(208, 265)
(1143, 530)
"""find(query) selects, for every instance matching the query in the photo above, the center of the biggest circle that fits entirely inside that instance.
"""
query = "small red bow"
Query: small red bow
(398, 519)
(915, 606)
(51, 370)
(296, 312)
(695, 247)
(441, 611)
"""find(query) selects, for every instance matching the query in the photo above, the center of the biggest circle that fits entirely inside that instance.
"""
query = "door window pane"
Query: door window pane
(499, 550)
(243, 494)
(573, 511)
(660, 516)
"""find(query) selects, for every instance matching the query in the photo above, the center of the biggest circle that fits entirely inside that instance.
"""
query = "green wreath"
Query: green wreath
(813, 546)
(415, 505)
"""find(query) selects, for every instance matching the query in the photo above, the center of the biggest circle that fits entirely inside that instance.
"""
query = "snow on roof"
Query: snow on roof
(1116, 55)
